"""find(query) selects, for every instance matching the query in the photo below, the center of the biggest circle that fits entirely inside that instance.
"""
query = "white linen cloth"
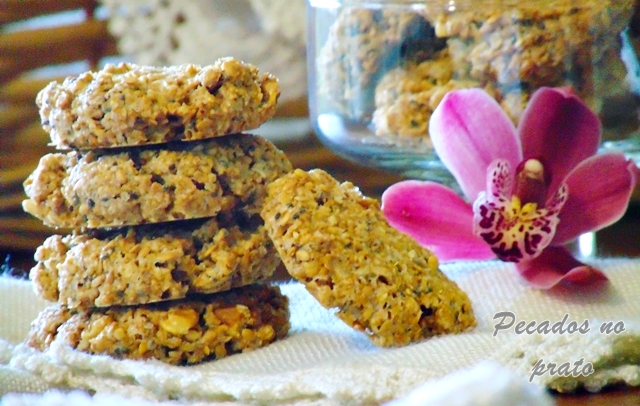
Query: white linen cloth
(323, 361)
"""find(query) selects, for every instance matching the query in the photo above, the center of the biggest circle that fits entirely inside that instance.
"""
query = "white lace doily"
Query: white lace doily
(270, 34)
(324, 362)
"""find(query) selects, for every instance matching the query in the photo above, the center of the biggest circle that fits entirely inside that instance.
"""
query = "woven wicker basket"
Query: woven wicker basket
(40, 41)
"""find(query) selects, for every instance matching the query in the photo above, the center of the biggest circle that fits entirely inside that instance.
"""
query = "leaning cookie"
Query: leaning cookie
(156, 262)
(337, 242)
(127, 104)
(181, 332)
(118, 187)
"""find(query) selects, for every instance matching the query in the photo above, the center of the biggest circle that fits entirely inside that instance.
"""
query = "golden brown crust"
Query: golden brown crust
(117, 187)
(127, 104)
(178, 332)
(145, 264)
(337, 242)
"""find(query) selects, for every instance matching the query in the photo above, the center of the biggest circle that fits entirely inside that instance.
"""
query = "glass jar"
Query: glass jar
(378, 69)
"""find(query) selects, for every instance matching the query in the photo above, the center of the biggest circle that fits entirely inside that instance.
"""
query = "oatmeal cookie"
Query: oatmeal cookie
(528, 45)
(509, 49)
(127, 104)
(337, 242)
(407, 96)
(117, 187)
(156, 262)
(364, 44)
(183, 332)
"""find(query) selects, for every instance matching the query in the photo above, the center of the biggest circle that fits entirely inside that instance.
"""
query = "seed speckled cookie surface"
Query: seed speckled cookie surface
(117, 187)
(180, 332)
(127, 104)
(156, 262)
(337, 242)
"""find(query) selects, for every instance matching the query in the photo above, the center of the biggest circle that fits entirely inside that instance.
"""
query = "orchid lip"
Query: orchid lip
(516, 230)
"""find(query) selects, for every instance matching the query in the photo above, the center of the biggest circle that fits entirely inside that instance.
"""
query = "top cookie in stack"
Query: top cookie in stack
(127, 105)
(159, 225)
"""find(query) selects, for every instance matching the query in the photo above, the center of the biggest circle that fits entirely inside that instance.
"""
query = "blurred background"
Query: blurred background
(45, 40)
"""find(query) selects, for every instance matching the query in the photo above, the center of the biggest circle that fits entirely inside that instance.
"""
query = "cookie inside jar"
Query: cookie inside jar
(383, 67)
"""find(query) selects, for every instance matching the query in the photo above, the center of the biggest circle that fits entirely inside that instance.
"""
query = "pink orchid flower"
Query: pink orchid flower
(534, 188)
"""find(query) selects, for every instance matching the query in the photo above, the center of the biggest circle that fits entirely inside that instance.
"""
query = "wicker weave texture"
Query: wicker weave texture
(40, 41)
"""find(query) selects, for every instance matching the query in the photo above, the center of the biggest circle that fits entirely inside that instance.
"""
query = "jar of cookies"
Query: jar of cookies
(378, 69)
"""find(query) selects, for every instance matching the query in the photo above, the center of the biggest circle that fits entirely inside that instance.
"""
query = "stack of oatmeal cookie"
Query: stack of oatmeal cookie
(167, 255)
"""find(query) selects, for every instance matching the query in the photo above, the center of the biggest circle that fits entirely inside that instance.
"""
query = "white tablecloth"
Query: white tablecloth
(323, 361)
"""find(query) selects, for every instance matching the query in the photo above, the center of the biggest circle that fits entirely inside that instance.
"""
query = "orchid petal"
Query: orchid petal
(557, 128)
(515, 231)
(599, 192)
(436, 217)
(469, 130)
(555, 265)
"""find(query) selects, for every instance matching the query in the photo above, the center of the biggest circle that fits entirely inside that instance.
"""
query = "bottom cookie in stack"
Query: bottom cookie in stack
(180, 332)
